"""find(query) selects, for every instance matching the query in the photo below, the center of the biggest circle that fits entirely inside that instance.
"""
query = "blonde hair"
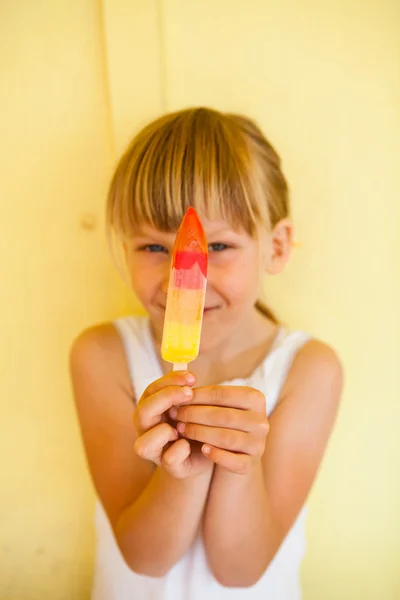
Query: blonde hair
(219, 163)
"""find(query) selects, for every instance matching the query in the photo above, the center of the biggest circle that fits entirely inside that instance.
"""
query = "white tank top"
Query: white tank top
(191, 578)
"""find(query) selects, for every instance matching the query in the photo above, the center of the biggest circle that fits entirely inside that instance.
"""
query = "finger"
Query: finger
(227, 439)
(230, 418)
(176, 454)
(150, 445)
(237, 463)
(242, 397)
(173, 378)
(149, 410)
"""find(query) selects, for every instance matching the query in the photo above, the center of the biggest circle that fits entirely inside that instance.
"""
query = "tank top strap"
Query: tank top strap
(273, 372)
(139, 350)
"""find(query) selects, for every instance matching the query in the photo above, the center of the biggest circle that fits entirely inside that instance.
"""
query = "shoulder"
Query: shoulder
(95, 343)
(316, 370)
(319, 359)
(97, 354)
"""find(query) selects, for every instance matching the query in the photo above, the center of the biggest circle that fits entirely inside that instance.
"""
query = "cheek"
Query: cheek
(239, 284)
(244, 289)
(142, 279)
(137, 283)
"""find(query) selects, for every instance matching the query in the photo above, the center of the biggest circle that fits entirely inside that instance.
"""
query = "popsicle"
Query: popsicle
(186, 293)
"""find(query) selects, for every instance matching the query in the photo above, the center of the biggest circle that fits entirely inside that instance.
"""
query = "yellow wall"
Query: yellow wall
(55, 278)
(77, 78)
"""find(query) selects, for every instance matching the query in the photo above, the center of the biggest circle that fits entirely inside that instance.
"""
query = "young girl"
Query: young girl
(202, 494)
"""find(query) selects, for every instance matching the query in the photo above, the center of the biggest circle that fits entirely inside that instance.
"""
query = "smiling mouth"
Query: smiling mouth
(207, 309)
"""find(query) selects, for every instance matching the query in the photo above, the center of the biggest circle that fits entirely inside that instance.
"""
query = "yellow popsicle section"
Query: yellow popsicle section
(182, 342)
(182, 326)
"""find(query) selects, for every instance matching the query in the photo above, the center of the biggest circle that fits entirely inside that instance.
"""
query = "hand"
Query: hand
(157, 439)
(230, 422)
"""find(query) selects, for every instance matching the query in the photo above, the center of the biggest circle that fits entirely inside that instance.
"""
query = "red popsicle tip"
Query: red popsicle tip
(190, 243)
(191, 233)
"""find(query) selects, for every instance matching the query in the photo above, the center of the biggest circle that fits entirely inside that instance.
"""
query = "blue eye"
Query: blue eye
(154, 248)
(217, 247)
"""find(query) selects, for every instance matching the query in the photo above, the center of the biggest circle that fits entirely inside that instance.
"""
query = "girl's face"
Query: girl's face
(235, 274)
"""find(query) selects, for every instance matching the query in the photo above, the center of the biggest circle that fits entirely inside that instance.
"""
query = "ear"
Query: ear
(280, 246)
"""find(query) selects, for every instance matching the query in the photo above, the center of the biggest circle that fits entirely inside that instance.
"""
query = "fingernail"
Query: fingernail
(187, 391)
(173, 412)
(206, 449)
(190, 378)
(181, 427)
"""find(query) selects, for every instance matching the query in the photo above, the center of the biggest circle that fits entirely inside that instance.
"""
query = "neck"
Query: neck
(249, 343)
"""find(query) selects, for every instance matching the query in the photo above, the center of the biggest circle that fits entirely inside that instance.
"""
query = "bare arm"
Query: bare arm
(157, 529)
(240, 536)
(255, 497)
(154, 515)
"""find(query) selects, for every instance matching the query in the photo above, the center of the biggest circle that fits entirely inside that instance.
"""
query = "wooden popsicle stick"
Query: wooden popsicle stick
(179, 367)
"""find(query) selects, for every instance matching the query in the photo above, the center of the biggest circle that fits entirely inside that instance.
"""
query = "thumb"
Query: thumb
(176, 460)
